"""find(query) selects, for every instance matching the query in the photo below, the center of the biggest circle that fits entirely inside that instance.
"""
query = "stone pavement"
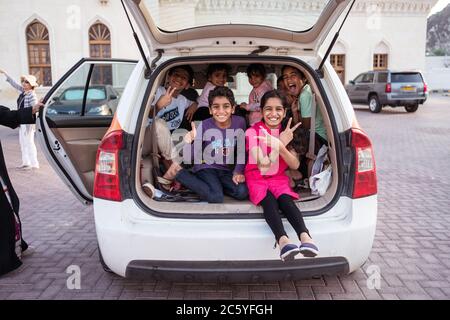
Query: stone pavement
(411, 249)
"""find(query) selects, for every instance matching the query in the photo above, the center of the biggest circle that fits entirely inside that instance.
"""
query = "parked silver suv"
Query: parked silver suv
(388, 88)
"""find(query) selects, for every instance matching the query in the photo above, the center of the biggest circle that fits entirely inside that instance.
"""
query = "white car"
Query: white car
(138, 236)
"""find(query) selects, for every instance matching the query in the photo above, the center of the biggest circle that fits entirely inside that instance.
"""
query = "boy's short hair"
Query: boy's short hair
(186, 68)
(221, 92)
(217, 67)
(256, 68)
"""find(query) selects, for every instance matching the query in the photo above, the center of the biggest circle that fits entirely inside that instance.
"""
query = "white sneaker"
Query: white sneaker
(30, 250)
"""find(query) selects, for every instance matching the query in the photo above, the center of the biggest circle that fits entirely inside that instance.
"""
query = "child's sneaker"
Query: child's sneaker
(288, 252)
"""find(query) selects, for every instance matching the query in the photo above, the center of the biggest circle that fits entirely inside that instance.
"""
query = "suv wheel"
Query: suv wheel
(412, 108)
(374, 104)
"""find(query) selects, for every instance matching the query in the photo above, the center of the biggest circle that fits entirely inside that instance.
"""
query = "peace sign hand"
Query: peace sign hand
(288, 134)
(166, 99)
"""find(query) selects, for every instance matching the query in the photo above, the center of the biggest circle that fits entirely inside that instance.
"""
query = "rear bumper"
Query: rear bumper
(403, 101)
(236, 271)
(137, 244)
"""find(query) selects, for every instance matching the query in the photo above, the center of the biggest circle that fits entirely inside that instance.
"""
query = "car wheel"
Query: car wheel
(374, 104)
(412, 108)
(102, 262)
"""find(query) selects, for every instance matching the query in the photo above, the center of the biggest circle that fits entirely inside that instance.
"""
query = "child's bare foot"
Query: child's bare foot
(172, 171)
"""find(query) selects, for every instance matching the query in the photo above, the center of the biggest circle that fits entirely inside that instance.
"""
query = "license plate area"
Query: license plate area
(408, 89)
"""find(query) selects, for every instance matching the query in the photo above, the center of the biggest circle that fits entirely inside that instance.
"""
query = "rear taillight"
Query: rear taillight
(425, 88)
(388, 88)
(107, 181)
(365, 176)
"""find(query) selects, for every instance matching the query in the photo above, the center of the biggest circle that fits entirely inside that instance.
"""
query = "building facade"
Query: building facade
(47, 37)
(437, 73)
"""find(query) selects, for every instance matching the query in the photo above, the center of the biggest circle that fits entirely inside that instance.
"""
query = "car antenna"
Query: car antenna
(148, 71)
(319, 70)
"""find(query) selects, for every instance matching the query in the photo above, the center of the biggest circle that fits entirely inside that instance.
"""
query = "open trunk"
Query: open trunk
(308, 203)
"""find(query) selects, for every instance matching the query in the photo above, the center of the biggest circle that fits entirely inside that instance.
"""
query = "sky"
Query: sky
(441, 4)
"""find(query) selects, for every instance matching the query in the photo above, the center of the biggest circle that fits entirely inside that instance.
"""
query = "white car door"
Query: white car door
(78, 111)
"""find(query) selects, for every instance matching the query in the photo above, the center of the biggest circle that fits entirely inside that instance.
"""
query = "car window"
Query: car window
(78, 94)
(73, 94)
(106, 83)
(359, 78)
(406, 77)
(368, 78)
(96, 94)
(382, 77)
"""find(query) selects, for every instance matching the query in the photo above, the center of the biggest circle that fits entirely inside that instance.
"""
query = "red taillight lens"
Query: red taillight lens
(425, 88)
(365, 181)
(107, 181)
(388, 88)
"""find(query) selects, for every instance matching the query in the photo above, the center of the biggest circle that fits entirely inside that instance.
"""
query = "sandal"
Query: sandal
(149, 189)
(164, 184)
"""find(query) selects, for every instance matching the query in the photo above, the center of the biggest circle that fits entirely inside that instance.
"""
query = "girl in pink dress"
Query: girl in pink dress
(266, 179)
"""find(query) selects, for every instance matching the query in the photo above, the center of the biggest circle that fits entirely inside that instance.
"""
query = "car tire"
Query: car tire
(102, 262)
(374, 104)
(412, 108)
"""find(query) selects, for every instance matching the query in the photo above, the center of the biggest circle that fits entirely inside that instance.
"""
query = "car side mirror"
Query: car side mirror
(55, 99)
(113, 97)
(352, 82)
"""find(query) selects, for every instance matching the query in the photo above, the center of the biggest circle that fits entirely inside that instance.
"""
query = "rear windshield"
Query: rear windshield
(406, 77)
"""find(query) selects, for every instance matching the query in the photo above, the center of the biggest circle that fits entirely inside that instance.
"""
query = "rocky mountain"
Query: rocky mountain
(438, 33)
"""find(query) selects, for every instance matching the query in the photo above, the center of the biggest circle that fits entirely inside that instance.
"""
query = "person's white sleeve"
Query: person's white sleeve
(13, 83)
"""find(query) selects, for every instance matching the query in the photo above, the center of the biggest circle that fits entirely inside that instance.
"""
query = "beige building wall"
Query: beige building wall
(395, 26)
(68, 23)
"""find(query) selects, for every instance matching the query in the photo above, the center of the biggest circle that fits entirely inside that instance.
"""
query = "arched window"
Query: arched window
(100, 47)
(99, 41)
(38, 45)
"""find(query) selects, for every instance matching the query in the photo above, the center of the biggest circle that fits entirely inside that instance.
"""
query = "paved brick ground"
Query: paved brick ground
(411, 249)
